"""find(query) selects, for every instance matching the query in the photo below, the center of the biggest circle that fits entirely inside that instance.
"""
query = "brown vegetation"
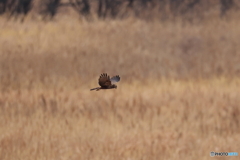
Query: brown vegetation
(178, 97)
(120, 9)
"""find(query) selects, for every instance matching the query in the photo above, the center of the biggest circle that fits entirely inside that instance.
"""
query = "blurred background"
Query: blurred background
(178, 97)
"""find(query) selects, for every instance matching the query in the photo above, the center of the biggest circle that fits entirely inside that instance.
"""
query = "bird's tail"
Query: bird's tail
(95, 89)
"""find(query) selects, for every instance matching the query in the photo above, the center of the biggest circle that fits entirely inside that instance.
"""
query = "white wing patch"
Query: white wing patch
(115, 79)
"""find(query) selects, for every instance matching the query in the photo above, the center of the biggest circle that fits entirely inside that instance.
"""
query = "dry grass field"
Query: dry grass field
(179, 95)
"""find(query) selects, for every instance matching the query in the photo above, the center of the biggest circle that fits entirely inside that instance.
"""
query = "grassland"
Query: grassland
(178, 97)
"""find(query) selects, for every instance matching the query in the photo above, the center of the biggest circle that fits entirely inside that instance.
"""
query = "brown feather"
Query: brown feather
(104, 81)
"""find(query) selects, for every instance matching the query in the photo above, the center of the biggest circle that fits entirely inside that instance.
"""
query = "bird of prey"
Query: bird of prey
(106, 83)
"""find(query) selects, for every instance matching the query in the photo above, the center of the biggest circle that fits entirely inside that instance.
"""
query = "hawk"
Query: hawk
(107, 83)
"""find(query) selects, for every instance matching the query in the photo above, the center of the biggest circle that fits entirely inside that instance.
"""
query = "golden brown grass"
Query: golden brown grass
(178, 97)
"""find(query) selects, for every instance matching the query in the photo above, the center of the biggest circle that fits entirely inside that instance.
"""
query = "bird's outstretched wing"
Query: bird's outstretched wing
(104, 80)
(115, 79)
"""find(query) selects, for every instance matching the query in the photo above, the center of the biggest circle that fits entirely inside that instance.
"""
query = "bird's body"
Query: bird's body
(106, 82)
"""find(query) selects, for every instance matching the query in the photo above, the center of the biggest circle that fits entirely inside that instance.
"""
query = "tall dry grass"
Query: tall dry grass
(178, 97)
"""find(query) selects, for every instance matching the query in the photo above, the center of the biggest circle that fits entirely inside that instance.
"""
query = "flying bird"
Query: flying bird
(106, 82)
